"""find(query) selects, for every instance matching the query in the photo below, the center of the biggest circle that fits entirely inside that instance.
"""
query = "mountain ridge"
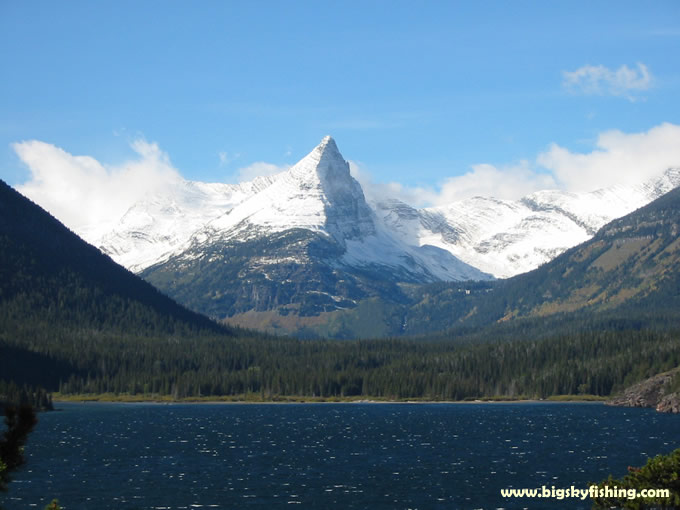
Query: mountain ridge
(506, 238)
(306, 241)
(499, 237)
(630, 268)
(45, 266)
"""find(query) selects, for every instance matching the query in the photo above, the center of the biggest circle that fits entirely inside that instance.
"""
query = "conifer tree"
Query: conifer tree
(661, 472)
(20, 421)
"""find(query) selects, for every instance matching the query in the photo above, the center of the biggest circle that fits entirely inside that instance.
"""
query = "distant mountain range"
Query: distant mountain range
(304, 252)
(282, 252)
(629, 269)
(502, 238)
(506, 238)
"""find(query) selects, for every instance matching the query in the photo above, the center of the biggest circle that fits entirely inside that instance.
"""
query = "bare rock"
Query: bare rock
(669, 404)
(652, 392)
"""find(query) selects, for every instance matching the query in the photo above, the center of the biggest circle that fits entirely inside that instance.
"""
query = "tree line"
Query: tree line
(266, 367)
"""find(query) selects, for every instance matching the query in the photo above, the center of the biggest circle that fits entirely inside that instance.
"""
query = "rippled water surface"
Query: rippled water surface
(328, 456)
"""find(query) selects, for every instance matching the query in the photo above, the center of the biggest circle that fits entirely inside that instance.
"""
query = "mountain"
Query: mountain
(506, 238)
(317, 195)
(69, 314)
(632, 263)
(52, 283)
(626, 277)
(629, 271)
(305, 244)
(153, 228)
(72, 320)
(304, 250)
(502, 238)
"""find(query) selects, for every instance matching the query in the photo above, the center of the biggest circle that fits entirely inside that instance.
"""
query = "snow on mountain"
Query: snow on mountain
(316, 194)
(470, 239)
(319, 194)
(156, 227)
(506, 238)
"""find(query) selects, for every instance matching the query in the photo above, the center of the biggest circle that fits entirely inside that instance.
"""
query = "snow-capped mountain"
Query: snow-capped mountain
(158, 226)
(497, 237)
(306, 241)
(318, 195)
(301, 242)
(506, 238)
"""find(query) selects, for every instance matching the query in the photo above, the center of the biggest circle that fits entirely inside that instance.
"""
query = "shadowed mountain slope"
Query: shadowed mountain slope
(49, 275)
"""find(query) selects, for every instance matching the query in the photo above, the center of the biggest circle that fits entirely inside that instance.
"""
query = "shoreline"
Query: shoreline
(135, 399)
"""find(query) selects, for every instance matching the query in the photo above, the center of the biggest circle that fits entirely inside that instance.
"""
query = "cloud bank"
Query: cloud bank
(618, 158)
(90, 197)
(83, 193)
(600, 80)
(506, 183)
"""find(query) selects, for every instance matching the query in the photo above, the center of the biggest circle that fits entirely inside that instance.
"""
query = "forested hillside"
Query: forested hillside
(51, 277)
(55, 289)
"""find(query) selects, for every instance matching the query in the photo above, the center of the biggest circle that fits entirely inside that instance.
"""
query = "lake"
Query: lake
(329, 456)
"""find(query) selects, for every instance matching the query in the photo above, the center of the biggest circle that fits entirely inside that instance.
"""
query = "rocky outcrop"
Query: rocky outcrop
(652, 392)
(669, 403)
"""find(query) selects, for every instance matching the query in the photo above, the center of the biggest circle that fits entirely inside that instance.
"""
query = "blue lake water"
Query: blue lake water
(329, 456)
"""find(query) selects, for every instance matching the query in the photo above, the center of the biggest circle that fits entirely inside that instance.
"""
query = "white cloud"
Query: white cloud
(376, 191)
(84, 194)
(618, 158)
(601, 80)
(484, 180)
(90, 197)
(258, 169)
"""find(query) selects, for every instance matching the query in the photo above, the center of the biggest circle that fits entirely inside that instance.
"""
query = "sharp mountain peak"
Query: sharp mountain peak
(325, 160)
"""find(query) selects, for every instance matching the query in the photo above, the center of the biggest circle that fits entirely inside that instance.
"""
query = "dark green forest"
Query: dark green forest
(265, 367)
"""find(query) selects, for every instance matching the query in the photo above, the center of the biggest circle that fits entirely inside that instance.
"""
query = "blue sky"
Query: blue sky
(414, 92)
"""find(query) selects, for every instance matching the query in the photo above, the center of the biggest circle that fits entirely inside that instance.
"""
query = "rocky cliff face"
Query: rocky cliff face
(654, 392)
